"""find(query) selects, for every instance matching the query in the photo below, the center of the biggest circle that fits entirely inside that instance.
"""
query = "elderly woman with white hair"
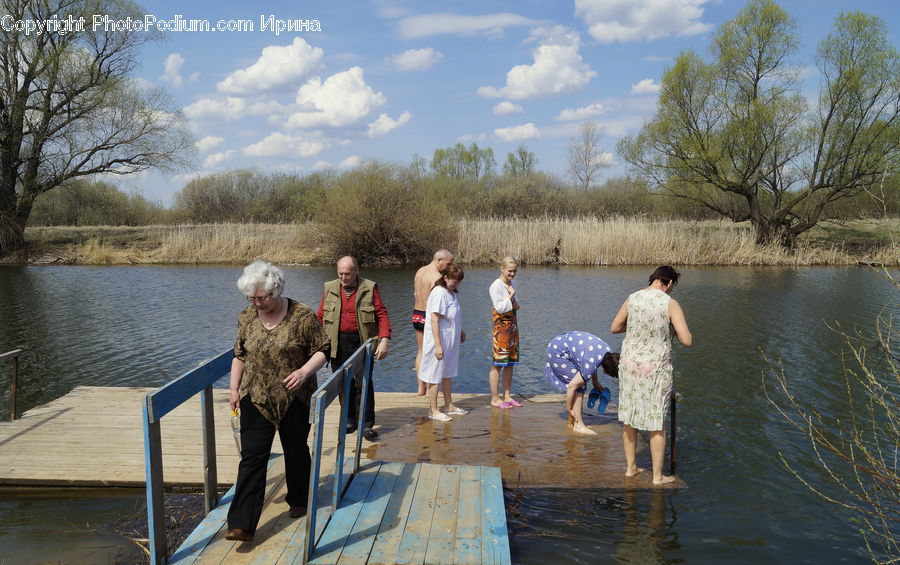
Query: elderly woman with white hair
(279, 347)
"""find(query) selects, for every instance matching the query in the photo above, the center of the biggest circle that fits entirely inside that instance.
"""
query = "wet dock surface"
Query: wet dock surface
(93, 436)
(531, 445)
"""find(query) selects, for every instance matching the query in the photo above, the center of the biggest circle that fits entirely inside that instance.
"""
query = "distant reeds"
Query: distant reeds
(580, 241)
(630, 241)
(240, 243)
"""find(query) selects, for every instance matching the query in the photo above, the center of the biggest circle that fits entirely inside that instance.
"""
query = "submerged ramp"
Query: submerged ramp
(391, 513)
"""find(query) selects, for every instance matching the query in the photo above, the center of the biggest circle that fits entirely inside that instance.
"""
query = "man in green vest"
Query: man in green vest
(351, 312)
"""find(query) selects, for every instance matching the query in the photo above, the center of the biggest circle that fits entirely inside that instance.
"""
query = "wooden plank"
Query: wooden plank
(390, 534)
(418, 524)
(331, 544)
(270, 537)
(361, 539)
(442, 536)
(207, 541)
(495, 540)
(468, 527)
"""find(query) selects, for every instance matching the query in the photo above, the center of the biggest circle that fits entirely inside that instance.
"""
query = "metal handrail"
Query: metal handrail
(674, 397)
(360, 364)
(162, 401)
(13, 357)
(156, 405)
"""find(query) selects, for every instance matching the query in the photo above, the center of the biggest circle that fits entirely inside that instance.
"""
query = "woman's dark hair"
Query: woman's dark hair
(610, 364)
(454, 272)
(665, 275)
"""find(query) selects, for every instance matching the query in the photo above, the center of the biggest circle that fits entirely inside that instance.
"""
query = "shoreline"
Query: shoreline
(561, 241)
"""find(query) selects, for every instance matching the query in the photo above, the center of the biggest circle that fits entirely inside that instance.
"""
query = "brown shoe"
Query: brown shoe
(237, 534)
(297, 511)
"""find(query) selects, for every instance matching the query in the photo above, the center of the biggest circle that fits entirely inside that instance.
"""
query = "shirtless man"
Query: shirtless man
(424, 282)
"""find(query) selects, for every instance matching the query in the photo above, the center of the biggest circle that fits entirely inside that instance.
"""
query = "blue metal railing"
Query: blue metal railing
(156, 405)
(200, 380)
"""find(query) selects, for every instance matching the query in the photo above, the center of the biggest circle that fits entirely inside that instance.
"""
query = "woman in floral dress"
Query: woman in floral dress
(648, 317)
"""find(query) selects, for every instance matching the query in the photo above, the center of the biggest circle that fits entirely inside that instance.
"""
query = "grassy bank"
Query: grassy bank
(585, 241)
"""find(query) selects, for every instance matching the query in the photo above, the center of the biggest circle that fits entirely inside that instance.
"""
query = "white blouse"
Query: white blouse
(500, 297)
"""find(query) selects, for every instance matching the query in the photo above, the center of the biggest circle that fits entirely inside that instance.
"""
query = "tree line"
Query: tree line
(733, 136)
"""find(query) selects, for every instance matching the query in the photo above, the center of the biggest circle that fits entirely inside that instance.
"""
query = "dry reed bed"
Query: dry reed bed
(580, 241)
(626, 241)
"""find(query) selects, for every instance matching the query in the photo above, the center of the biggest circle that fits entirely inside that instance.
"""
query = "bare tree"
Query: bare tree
(855, 454)
(69, 109)
(586, 158)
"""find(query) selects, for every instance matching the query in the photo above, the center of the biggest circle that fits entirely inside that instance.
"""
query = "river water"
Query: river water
(143, 326)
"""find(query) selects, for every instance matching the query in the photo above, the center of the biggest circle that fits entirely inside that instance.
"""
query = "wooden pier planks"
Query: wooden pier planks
(391, 513)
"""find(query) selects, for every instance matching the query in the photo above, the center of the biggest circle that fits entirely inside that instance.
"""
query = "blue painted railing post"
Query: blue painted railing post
(359, 364)
(363, 402)
(156, 513)
(156, 405)
(210, 474)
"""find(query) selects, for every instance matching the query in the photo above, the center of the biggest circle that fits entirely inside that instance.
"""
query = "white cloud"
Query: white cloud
(277, 144)
(276, 67)
(415, 59)
(557, 68)
(267, 108)
(194, 78)
(385, 124)
(209, 142)
(506, 107)
(472, 138)
(580, 114)
(343, 99)
(636, 20)
(646, 86)
(350, 162)
(606, 159)
(426, 25)
(187, 177)
(319, 165)
(216, 158)
(172, 68)
(518, 133)
(228, 110)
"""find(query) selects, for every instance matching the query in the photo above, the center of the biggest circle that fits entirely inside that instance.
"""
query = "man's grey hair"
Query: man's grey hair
(264, 275)
(441, 254)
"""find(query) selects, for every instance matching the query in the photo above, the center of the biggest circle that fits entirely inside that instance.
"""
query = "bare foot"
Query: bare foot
(570, 423)
(422, 387)
(664, 480)
(580, 428)
(635, 472)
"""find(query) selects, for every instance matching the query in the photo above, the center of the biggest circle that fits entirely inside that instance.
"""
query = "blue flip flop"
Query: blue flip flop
(604, 400)
(593, 397)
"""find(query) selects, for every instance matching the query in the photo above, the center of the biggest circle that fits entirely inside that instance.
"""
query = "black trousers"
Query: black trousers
(257, 434)
(348, 343)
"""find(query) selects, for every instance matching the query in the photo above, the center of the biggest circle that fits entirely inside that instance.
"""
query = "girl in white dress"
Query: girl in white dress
(440, 344)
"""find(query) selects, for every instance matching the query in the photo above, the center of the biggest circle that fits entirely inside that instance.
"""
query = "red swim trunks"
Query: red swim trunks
(418, 320)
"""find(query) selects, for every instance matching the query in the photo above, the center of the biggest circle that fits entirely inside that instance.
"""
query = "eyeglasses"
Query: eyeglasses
(258, 298)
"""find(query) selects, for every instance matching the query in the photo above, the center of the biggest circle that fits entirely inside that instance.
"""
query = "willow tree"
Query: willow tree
(736, 135)
(68, 105)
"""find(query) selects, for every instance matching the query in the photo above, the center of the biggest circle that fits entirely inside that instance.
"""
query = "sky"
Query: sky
(392, 79)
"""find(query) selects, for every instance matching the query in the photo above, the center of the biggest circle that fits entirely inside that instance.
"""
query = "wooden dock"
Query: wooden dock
(93, 437)
(391, 513)
(427, 492)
